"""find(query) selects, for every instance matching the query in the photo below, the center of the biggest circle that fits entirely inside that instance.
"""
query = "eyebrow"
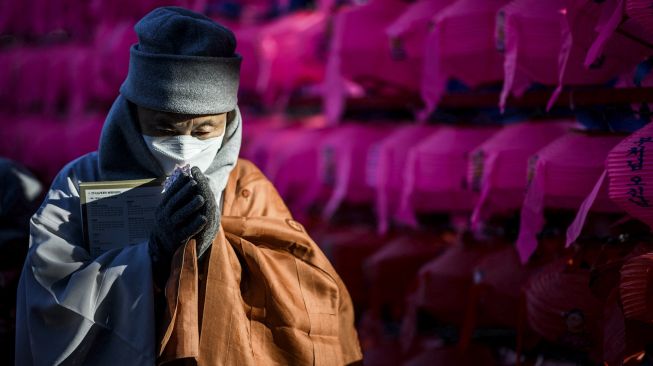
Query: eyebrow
(172, 122)
(205, 123)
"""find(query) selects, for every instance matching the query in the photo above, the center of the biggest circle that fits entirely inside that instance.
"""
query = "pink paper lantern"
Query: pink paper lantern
(347, 247)
(291, 54)
(58, 88)
(363, 47)
(641, 13)
(81, 78)
(30, 73)
(445, 282)
(111, 57)
(407, 35)
(436, 171)
(254, 130)
(589, 34)
(498, 168)
(630, 168)
(563, 174)
(359, 53)
(44, 153)
(260, 150)
(294, 166)
(391, 270)
(461, 45)
(390, 179)
(247, 47)
(500, 276)
(43, 78)
(82, 135)
(562, 309)
(627, 170)
(636, 288)
(345, 163)
(529, 33)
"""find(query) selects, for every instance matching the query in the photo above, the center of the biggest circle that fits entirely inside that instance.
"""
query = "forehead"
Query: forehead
(159, 117)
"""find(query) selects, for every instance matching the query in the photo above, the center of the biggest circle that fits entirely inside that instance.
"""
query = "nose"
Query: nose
(186, 128)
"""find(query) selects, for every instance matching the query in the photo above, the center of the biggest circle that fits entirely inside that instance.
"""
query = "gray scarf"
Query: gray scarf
(124, 155)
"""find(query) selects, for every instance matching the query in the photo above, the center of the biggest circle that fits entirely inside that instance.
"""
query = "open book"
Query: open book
(116, 214)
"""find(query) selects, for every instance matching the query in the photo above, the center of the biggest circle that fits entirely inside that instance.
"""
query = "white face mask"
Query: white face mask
(173, 151)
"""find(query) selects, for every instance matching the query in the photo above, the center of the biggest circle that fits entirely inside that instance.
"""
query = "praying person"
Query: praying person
(227, 276)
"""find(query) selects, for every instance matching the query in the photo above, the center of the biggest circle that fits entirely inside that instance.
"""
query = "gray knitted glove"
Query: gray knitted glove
(209, 210)
(177, 218)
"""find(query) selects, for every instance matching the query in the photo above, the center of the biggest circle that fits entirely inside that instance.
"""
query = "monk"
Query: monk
(227, 277)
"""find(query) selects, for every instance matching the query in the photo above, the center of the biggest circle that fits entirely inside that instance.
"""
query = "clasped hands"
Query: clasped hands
(188, 209)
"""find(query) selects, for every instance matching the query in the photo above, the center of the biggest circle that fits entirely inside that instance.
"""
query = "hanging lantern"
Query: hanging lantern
(637, 288)
(641, 13)
(630, 168)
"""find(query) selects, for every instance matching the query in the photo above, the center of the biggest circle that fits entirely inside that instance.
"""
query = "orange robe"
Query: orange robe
(265, 294)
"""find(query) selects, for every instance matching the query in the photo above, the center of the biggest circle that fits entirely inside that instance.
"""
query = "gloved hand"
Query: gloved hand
(209, 210)
(177, 219)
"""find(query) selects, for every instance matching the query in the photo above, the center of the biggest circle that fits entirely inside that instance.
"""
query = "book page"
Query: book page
(118, 213)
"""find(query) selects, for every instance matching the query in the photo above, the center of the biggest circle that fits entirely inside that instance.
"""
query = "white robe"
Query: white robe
(75, 309)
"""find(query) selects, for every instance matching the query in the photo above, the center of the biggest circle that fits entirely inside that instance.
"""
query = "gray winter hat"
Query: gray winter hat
(184, 62)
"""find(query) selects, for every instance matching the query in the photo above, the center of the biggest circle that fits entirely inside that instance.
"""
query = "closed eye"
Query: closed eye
(201, 133)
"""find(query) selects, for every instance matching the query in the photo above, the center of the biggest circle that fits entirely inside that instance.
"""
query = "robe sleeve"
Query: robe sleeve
(75, 309)
(257, 196)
